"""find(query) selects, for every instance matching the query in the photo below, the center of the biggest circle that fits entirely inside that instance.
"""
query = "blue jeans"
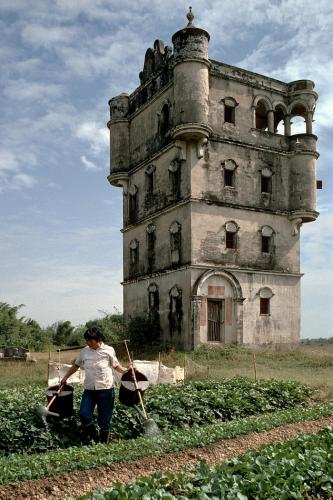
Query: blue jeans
(104, 400)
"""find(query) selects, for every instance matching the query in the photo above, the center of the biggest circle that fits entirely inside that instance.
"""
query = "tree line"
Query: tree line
(19, 331)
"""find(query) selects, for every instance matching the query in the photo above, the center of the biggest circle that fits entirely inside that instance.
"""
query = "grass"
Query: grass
(309, 364)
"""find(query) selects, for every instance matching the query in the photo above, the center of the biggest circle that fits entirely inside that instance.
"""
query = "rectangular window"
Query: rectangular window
(266, 184)
(228, 177)
(175, 184)
(230, 240)
(150, 183)
(264, 306)
(229, 114)
(265, 244)
(215, 313)
(151, 251)
(134, 261)
(133, 207)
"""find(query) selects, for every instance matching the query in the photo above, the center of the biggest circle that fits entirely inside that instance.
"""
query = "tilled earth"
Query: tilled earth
(74, 484)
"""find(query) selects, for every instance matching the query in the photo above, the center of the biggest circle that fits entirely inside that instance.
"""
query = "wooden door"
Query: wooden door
(215, 313)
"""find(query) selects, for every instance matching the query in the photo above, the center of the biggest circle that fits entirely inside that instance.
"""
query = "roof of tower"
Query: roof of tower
(190, 17)
(190, 28)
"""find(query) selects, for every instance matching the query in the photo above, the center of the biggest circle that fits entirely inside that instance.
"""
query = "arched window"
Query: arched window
(150, 180)
(175, 179)
(150, 247)
(231, 229)
(298, 119)
(175, 243)
(229, 169)
(279, 118)
(266, 180)
(153, 302)
(261, 115)
(133, 204)
(164, 123)
(229, 109)
(266, 239)
(265, 295)
(175, 311)
(134, 257)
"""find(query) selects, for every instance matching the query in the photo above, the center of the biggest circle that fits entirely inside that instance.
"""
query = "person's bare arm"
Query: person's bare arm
(74, 368)
(121, 369)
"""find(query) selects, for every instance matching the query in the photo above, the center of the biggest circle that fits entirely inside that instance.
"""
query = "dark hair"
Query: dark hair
(94, 333)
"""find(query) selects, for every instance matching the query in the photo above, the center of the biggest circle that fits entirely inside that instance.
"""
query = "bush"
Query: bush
(143, 331)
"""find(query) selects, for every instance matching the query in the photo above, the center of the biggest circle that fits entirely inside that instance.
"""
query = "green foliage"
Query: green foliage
(172, 407)
(21, 332)
(320, 341)
(112, 326)
(294, 469)
(143, 331)
(22, 467)
(62, 331)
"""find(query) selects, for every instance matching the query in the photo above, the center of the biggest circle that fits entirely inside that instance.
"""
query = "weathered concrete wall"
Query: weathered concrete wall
(136, 303)
(243, 323)
(208, 182)
(162, 195)
(282, 326)
(209, 239)
(144, 127)
(162, 225)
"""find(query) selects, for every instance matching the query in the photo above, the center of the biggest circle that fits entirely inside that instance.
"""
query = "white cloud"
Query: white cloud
(96, 135)
(8, 161)
(90, 166)
(48, 36)
(23, 181)
(11, 176)
(23, 90)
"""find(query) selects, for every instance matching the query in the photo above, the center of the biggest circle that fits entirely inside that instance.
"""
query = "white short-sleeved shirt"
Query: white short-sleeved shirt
(97, 365)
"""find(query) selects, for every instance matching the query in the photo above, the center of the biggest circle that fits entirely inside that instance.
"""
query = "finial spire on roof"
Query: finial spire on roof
(190, 18)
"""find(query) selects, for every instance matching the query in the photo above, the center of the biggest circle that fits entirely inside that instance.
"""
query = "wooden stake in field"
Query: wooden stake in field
(254, 366)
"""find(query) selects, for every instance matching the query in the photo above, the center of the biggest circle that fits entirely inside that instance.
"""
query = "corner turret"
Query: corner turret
(191, 82)
(119, 145)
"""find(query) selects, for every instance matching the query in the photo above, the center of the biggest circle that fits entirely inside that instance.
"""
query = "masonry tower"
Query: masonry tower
(216, 186)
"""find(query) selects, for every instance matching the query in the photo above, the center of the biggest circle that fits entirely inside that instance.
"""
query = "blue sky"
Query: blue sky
(61, 61)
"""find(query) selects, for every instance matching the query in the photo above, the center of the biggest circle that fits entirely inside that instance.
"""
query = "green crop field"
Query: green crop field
(228, 392)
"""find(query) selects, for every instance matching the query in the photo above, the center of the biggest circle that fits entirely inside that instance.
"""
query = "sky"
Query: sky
(61, 61)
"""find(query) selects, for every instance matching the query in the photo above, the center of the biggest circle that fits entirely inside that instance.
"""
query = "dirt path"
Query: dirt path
(75, 484)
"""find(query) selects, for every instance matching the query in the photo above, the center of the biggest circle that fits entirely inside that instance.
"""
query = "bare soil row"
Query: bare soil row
(75, 484)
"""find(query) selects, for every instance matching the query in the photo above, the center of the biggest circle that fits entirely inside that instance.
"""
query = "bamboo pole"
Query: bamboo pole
(254, 366)
(159, 367)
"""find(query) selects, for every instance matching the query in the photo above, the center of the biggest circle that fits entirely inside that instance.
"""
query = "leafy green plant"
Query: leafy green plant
(17, 467)
(298, 469)
(171, 406)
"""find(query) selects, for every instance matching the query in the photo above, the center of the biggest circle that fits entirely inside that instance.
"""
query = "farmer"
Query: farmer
(98, 360)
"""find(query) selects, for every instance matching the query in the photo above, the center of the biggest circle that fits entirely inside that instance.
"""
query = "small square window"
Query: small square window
(229, 114)
(230, 239)
(264, 306)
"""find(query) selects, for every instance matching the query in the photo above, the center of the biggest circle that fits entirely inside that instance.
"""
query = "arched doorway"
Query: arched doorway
(217, 309)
